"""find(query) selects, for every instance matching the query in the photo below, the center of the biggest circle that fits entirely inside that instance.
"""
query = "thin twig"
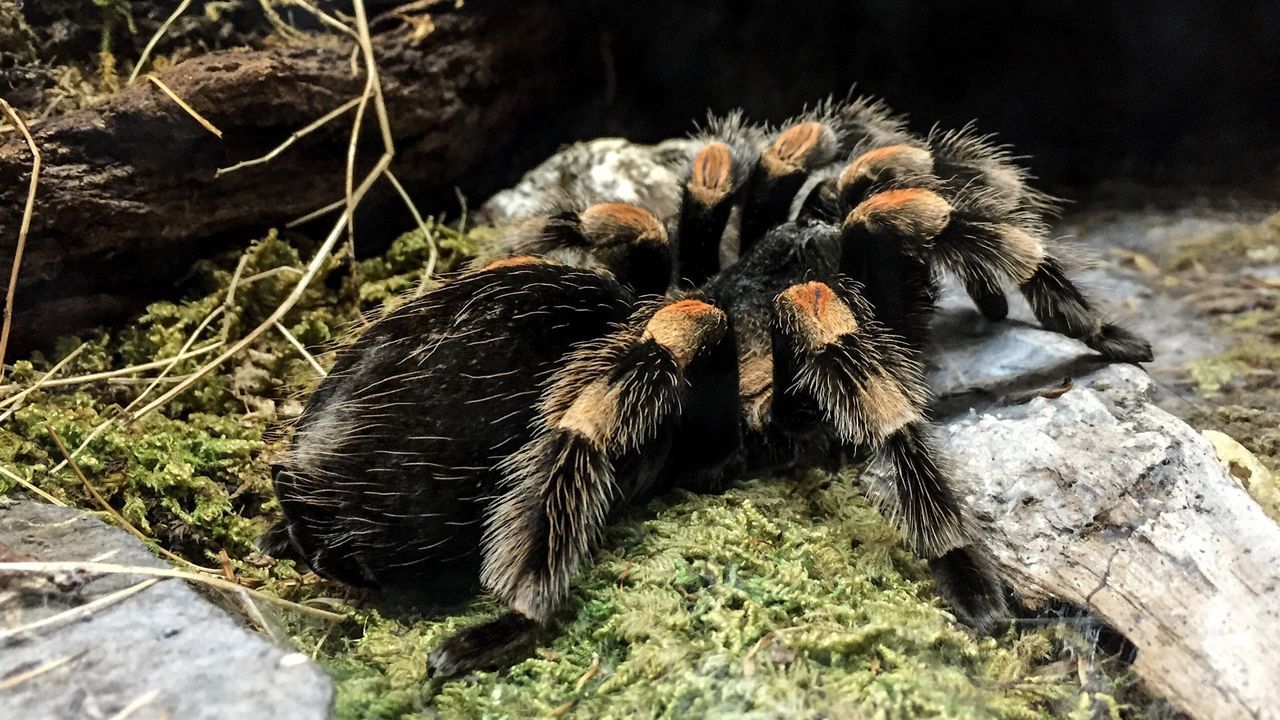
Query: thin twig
(102, 426)
(183, 104)
(23, 228)
(320, 212)
(326, 18)
(313, 268)
(210, 580)
(301, 349)
(422, 225)
(30, 486)
(105, 374)
(106, 507)
(141, 701)
(151, 44)
(14, 400)
(37, 671)
(289, 141)
(79, 610)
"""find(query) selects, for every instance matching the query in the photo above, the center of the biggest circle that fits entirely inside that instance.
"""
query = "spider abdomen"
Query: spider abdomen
(392, 465)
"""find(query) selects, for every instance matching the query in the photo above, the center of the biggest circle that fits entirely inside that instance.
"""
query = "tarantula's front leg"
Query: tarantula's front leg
(779, 174)
(599, 443)
(833, 360)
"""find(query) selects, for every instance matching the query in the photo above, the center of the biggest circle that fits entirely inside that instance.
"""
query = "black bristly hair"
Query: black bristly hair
(483, 434)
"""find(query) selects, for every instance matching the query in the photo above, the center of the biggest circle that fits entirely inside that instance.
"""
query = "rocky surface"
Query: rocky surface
(1098, 497)
(163, 651)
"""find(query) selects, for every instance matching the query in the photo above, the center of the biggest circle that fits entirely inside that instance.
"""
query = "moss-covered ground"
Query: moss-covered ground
(788, 597)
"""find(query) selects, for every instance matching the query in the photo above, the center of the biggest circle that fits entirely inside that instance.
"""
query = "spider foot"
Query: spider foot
(481, 646)
(968, 582)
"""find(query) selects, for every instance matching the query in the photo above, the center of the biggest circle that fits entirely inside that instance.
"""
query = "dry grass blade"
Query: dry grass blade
(209, 580)
(106, 507)
(14, 401)
(30, 486)
(313, 268)
(183, 104)
(301, 349)
(35, 672)
(434, 252)
(151, 44)
(320, 212)
(80, 610)
(295, 137)
(106, 374)
(23, 228)
(136, 704)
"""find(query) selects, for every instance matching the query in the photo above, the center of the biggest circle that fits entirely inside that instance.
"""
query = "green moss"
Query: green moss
(788, 597)
(781, 598)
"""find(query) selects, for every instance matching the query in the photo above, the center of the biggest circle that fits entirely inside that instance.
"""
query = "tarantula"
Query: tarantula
(481, 435)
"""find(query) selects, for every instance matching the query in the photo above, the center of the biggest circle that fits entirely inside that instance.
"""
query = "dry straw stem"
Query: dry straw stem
(106, 374)
(166, 572)
(317, 261)
(35, 672)
(295, 137)
(183, 104)
(15, 400)
(106, 507)
(80, 610)
(301, 349)
(23, 228)
(136, 704)
(151, 44)
(30, 486)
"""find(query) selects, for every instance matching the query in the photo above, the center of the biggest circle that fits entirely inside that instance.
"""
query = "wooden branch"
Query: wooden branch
(130, 193)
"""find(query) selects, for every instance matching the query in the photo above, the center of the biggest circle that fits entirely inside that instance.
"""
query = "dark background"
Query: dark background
(1158, 92)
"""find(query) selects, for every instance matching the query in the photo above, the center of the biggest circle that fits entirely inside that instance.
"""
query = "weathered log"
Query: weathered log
(129, 198)
(1101, 499)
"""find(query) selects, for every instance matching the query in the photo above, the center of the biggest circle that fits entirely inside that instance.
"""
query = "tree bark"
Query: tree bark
(128, 197)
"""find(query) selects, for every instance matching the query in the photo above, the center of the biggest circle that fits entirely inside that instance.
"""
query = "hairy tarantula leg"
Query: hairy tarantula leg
(780, 173)
(979, 242)
(892, 266)
(904, 166)
(832, 359)
(623, 238)
(704, 211)
(609, 402)
(985, 291)
(1060, 306)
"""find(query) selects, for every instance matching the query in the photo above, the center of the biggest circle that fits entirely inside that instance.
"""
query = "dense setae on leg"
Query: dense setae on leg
(833, 360)
(601, 439)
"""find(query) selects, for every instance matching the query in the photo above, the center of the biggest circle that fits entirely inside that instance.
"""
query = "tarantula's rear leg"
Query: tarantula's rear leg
(833, 360)
(624, 239)
(718, 174)
(599, 443)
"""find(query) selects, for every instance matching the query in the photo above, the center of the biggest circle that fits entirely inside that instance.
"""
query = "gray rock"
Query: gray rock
(165, 642)
(608, 169)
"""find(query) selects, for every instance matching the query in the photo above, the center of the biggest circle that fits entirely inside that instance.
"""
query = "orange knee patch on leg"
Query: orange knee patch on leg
(685, 327)
(886, 163)
(820, 315)
(516, 261)
(911, 212)
(712, 166)
(621, 222)
(799, 147)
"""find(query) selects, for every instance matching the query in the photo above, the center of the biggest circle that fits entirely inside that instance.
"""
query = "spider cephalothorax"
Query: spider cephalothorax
(481, 435)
